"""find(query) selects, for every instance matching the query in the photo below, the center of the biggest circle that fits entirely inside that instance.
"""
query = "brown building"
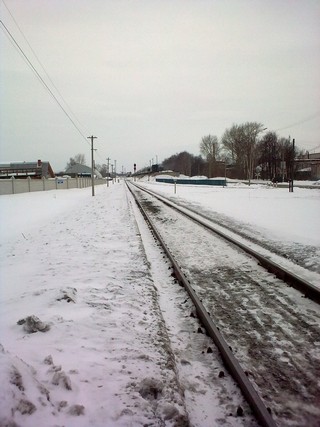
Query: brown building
(37, 169)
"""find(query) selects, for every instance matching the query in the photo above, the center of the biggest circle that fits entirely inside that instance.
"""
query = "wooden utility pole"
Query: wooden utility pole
(92, 163)
(292, 168)
(108, 160)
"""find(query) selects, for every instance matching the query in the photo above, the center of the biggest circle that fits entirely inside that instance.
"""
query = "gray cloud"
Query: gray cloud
(150, 78)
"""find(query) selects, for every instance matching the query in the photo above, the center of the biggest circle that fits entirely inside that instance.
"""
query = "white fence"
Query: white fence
(15, 186)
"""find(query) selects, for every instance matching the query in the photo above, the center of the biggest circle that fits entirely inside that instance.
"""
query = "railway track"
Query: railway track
(267, 334)
(308, 289)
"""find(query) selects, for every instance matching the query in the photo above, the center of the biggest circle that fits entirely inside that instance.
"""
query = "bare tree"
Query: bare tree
(251, 132)
(232, 143)
(78, 158)
(268, 155)
(209, 148)
(102, 169)
(240, 142)
(288, 154)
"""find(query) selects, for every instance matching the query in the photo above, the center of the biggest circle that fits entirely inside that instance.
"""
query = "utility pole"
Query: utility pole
(108, 160)
(292, 167)
(115, 170)
(249, 163)
(112, 173)
(282, 165)
(92, 163)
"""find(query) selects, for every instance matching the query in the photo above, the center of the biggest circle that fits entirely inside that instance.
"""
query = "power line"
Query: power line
(41, 80)
(313, 116)
(16, 48)
(40, 63)
(314, 148)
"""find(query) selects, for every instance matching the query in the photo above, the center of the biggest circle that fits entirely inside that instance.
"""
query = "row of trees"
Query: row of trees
(186, 164)
(245, 151)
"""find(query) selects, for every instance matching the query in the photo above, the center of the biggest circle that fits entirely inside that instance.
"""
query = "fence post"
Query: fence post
(56, 183)
(29, 184)
(12, 180)
(43, 184)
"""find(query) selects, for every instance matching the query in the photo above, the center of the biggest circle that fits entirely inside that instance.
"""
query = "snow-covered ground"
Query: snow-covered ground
(286, 222)
(282, 215)
(98, 353)
(81, 341)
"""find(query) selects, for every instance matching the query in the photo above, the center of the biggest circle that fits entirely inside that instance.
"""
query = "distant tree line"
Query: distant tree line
(244, 151)
(186, 164)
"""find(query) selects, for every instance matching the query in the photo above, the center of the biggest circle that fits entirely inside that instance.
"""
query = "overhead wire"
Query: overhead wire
(307, 119)
(38, 76)
(19, 52)
(13, 40)
(15, 44)
(314, 148)
(41, 65)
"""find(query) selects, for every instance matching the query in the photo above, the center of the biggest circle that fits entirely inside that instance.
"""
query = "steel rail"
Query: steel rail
(257, 405)
(292, 279)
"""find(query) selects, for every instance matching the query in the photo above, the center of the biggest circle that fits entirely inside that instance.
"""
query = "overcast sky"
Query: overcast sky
(150, 78)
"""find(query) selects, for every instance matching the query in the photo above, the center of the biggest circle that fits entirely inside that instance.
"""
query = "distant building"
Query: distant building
(308, 167)
(37, 169)
(81, 170)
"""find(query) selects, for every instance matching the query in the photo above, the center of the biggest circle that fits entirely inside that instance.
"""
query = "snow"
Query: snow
(292, 217)
(73, 268)
(80, 269)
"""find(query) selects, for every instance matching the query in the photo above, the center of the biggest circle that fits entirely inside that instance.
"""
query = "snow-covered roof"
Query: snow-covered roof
(39, 168)
(79, 169)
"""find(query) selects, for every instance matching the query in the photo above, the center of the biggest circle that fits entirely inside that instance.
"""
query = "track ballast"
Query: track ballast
(275, 344)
